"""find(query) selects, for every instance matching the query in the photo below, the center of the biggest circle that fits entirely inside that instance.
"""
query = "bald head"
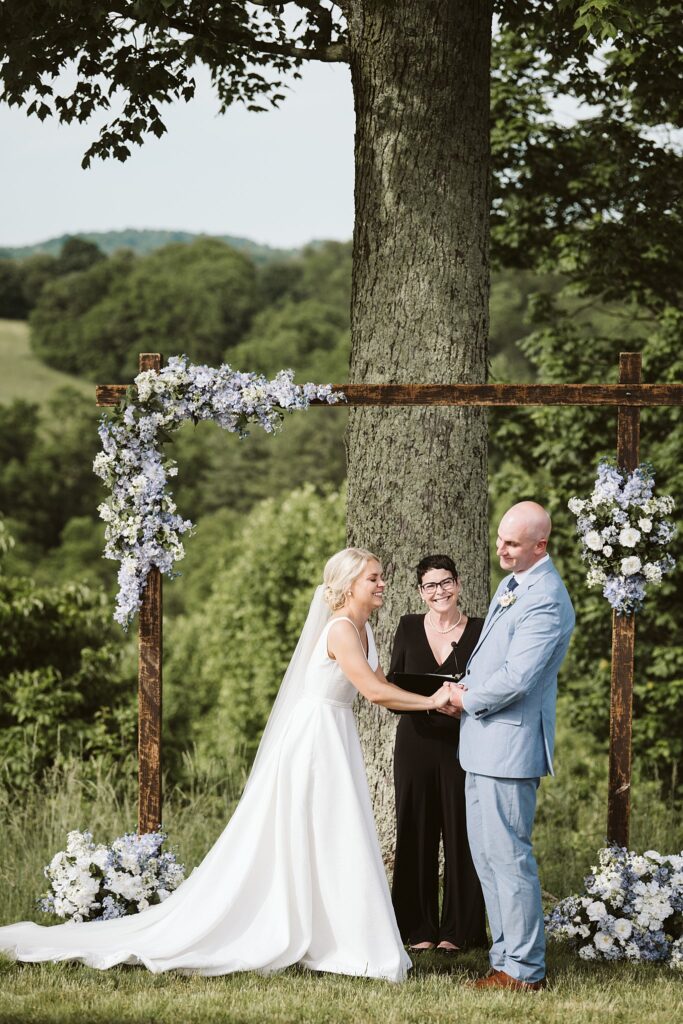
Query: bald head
(523, 536)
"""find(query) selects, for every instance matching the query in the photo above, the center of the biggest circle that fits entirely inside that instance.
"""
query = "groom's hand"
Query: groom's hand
(454, 706)
(457, 692)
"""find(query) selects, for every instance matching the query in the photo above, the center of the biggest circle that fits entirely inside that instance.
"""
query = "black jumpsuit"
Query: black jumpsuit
(430, 803)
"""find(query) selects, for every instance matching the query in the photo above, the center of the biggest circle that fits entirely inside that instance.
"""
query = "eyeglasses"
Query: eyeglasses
(431, 588)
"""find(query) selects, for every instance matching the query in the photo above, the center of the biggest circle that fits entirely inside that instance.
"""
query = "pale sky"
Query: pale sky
(281, 178)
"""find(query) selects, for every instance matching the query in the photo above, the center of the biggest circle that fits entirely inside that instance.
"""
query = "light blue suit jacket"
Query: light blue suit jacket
(508, 724)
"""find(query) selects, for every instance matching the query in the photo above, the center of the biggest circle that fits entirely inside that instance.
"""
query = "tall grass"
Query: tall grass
(571, 820)
(101, 797)
(34, 821)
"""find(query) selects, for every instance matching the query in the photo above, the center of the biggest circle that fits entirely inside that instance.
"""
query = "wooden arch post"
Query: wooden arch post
(629, 396)
(150, 654)
(623, 637)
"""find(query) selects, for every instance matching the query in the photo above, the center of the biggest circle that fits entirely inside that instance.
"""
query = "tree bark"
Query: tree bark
(418, 477)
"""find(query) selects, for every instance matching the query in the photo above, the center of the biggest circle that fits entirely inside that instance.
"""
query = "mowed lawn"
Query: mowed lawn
(22, 375)
(579, 993)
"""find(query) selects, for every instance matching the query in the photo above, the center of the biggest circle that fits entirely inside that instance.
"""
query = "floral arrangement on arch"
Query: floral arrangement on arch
(632, 909)
(624, 529)
(92, 882)
(143, 527)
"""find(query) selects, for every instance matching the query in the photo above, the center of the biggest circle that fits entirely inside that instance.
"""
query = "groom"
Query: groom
(506, 740)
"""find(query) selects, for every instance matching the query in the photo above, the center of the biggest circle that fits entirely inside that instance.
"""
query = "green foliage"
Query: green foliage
(46, 468)
(598, 199)
(12, 300)
(232, 39)
(22, 282)
(36, 271)
(552, 454)
(61, 687)
(195, 298)
(235, 648)
(308, 335)
(78, 254)
(70, 328)
(571, 820)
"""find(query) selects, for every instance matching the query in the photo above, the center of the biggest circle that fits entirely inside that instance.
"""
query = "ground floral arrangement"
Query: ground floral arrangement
(624, 529)
(91, 882)
(143, 527)
(632, 909)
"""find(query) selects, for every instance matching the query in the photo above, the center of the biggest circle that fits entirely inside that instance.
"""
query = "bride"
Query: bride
(296, 876)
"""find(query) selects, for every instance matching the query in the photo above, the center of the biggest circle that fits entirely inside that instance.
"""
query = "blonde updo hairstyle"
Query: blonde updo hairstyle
(340, 572)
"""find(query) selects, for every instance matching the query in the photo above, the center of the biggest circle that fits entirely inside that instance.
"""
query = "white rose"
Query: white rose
(603, 942)
(630, 566)
(596, 910)
(629, 537)
(652, 572)
(607, 550)
(593, 540)
(645, 525)
(622, 928)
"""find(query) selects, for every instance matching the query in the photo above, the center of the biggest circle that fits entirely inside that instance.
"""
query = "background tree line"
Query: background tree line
(232, 619)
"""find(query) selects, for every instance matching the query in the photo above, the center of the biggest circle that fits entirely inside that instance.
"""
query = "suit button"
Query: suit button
(469, 672)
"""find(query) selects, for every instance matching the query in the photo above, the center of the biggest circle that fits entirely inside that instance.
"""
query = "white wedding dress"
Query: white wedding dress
(295, 878)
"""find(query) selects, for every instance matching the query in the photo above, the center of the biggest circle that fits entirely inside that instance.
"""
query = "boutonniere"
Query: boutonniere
(507, 598)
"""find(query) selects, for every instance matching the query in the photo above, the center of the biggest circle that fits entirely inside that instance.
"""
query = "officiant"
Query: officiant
(429, 782)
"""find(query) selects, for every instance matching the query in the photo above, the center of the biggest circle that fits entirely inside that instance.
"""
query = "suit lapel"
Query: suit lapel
(496, 611)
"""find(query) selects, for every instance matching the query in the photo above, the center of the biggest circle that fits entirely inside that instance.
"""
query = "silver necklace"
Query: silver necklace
(444, 631)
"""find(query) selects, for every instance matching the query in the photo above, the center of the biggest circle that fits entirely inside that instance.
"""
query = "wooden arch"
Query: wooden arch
(629, 396)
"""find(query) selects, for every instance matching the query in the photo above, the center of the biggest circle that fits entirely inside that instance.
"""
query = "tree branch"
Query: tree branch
(333, 53)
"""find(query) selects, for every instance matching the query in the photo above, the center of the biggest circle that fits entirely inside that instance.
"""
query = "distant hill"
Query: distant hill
(143, 241)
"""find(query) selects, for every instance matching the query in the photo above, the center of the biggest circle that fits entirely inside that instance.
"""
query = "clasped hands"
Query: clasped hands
(449, 699)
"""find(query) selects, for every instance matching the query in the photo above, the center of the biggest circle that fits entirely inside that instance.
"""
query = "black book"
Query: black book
(424, 683)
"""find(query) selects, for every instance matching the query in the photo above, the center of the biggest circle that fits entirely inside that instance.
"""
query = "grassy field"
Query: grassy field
(33, 827)
(22, 375)
(577, 994)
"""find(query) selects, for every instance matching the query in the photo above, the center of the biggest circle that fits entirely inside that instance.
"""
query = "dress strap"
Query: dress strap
(345, 618)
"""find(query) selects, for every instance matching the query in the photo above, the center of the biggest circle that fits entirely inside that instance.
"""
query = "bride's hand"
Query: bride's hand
(442, 696)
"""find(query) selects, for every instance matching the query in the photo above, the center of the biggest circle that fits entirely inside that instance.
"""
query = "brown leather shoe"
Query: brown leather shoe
(499, 979)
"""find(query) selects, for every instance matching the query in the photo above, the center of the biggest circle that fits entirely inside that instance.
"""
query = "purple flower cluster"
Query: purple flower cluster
(623, 529)
(631, 909)
(143, 526)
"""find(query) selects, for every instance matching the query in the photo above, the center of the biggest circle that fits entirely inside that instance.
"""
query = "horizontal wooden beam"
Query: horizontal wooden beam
(641, 395)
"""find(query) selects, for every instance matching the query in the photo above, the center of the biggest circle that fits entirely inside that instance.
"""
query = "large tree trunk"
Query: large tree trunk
(418, 477)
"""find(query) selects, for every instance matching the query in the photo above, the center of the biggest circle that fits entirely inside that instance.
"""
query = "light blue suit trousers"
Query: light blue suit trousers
(500, 817)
